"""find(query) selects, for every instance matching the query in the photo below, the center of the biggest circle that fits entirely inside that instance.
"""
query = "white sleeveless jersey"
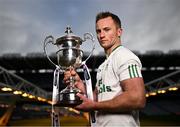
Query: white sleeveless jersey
(120, 65)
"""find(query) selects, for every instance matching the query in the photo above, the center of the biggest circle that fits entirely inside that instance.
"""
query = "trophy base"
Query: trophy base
(68, 100)
(70, 103)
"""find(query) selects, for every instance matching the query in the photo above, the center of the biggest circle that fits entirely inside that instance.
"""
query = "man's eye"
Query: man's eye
(98, 31)
(107, 29)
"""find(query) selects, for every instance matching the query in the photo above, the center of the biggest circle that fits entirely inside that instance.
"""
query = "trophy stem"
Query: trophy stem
(68, 97)
(72, 81)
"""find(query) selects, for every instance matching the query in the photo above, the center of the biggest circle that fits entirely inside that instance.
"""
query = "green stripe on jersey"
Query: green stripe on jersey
(133, 70)
(129, 68)
(136, 70)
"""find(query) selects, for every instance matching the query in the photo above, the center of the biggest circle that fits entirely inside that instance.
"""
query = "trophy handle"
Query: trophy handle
(47, 40)
(86, 37)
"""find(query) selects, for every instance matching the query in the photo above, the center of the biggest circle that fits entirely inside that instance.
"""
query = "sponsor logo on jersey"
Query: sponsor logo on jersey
(103, 88)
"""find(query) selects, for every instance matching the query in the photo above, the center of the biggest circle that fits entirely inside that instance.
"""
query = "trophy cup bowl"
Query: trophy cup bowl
(69, 55)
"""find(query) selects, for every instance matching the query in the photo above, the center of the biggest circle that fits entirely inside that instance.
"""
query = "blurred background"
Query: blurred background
(150, 30)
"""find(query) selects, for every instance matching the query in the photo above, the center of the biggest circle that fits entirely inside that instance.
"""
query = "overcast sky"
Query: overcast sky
(147, 24)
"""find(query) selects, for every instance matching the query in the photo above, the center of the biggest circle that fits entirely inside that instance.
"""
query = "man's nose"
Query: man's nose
(101, 34)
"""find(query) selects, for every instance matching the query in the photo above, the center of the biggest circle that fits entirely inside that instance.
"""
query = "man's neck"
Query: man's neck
(110, 50)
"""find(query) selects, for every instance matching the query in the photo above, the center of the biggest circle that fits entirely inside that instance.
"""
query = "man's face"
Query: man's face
(107, 32)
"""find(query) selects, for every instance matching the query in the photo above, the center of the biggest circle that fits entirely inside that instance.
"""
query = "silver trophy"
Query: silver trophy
(69, 55)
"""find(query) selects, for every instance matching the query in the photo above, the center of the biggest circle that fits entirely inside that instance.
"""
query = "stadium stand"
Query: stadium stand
(161, 71)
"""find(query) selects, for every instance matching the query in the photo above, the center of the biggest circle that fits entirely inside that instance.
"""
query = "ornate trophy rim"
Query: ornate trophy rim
(68, 38)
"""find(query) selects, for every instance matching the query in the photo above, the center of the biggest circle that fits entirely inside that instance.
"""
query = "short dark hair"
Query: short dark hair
(103, 15)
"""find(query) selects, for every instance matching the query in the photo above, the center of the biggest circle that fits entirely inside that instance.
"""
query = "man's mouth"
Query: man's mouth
(103, 40)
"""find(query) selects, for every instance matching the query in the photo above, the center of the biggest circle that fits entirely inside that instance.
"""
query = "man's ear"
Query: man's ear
(120, 30)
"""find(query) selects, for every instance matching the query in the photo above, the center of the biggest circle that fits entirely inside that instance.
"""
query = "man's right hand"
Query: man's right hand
(78, 82)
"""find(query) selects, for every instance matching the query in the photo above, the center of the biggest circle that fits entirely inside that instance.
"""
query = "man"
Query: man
(119, 92)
